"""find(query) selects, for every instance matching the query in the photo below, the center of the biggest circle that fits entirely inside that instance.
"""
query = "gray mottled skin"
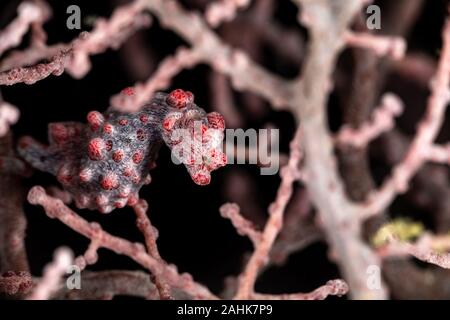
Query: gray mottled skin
(105, 180)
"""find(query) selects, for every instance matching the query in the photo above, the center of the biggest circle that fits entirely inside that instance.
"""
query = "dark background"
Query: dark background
(192, 234)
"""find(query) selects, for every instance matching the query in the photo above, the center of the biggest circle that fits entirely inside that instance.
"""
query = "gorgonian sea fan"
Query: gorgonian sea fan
(105, 162)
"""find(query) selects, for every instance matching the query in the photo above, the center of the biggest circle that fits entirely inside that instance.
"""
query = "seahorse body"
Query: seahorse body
(105, 162)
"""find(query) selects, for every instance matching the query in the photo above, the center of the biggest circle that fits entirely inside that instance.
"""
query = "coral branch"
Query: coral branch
(327, 22)
(90, 256)
(31, 75)
(105, 285)
(439, 154)
(58, 193)
(28, 13)
(333, 197)
(224, 10)
(56, 209)
(427, 248)
(13, 283)
(167, 69)
(244, 73)
(243, 226)
(394, 47)
(274, 224)
(31, 56)
(151, 234)
(416, 67)
(426, 134)
(52, 275)
(382, 121)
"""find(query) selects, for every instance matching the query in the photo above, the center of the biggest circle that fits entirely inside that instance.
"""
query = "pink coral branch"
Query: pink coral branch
(299, 229)
(425, 249)
(31, 75)
(9, 115)
(167, 69)
(439, 154)
(12, 283)
(74, 57)
(427, 131)
(224, 10)
(223, 101)
(105, 285)
(243, 226)
(327, 22)
(394, 47)
(382, 121)
(53, 273)
(90, 256)
(244, 73)
(111, 33)
(13, 256)
(274, 224)
(56, 209)
(151, 234)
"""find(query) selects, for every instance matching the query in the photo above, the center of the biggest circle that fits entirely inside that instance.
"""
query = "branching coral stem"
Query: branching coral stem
(28, 13)
(151, 234)
(223, 10)
(244, 73)
(428, 249)
(381, 45)
(383, 120)
(53, 273)
(327, 23)
(74, 57)
(427, 131)
(265, 241)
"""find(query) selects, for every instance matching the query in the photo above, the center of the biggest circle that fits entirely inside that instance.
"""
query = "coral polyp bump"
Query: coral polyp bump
(105, 162)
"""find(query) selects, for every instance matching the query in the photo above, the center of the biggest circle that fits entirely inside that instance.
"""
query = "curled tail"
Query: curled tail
(38, 155)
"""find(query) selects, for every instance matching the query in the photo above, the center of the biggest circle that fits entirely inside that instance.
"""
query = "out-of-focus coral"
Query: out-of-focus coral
(9, 115)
